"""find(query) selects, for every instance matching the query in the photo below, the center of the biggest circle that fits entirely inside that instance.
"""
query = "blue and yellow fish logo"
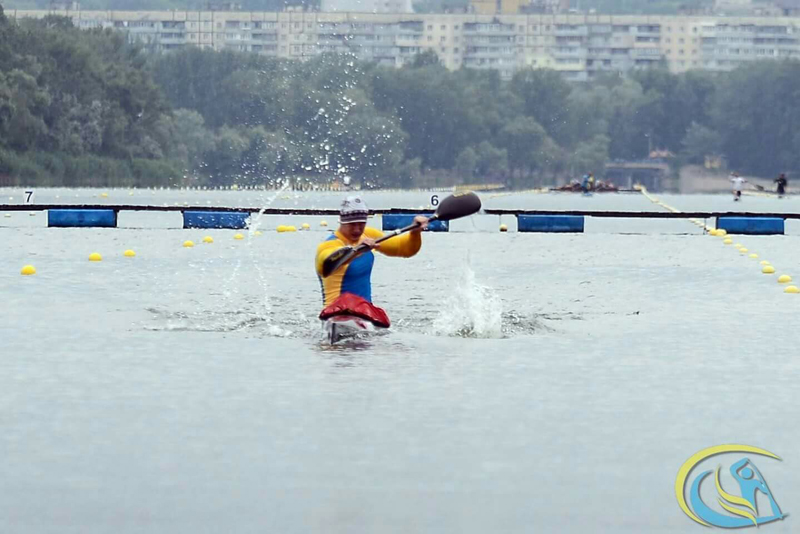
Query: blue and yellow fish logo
(744, 507)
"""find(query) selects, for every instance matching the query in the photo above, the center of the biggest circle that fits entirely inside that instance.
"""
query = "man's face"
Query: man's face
(352, 231)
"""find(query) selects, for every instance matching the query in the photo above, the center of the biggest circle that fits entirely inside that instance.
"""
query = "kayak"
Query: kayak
(343, 327)
(351, 316)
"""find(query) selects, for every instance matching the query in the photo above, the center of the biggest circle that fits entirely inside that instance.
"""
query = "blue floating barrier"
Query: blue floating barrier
(81, 218)
(751, 225)
(215, 219)
(394, 221)
(550, 223)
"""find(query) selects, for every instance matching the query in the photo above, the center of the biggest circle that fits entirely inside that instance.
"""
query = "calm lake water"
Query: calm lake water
(532, 382)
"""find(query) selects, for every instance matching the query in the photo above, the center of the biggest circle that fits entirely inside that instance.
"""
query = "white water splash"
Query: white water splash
(255, 219)
(473, 310)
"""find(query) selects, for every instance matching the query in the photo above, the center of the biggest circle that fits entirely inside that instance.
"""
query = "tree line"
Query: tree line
(89, 108)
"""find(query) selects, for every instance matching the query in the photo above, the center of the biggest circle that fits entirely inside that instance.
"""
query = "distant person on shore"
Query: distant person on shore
(738, 182)
(782, 183)
(588, 183)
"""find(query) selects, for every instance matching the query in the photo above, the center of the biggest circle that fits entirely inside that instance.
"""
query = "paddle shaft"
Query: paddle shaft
(453, 207)
(351, 254)
(395, 233)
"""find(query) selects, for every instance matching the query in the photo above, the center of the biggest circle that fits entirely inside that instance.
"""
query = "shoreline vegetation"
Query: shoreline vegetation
(86, 108)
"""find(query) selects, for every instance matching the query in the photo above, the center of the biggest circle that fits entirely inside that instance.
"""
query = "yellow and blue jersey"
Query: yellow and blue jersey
(355, 276)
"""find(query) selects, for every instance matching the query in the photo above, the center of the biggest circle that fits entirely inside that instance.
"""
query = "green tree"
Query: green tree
(700, 141)
(467, 163)
(523, 138)
(545, 97)
(755, 112)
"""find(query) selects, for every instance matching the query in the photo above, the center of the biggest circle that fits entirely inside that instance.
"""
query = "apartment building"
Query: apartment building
(579, 46)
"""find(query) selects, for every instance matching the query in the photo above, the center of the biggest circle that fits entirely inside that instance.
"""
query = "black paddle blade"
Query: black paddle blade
(336, 259)
(458, 205)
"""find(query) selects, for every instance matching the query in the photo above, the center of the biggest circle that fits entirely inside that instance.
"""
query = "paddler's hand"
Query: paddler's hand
(370, 243)
(422, 223)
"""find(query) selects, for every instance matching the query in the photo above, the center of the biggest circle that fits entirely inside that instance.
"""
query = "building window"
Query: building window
(443, 27)
(442, 39)
(430, 27)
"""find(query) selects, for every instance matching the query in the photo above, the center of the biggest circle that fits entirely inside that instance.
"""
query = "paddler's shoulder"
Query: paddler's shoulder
(372, 233)
(332, 241)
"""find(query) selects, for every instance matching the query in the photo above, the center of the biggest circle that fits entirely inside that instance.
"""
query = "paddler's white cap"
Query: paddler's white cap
(354, 210)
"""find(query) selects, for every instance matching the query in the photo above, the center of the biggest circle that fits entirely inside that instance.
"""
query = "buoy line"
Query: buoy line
(766, 267)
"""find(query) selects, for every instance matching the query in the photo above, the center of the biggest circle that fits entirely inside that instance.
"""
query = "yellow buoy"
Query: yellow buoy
(129, 253)
(238, 236)
(754, 256)
(721, 232)
(764, 262)
(743, 250)
(503, 228)
(791, 289)
(728, 241)
(712, 231)
(281, 228)
(103, 195)
(768, 269)
(323, 223)
(208, 239)
(738, 245)
(784, 279)
(28, 270)
(257, 233)
(188, 244)
(95, 256)
(305, 226)
(291, 229)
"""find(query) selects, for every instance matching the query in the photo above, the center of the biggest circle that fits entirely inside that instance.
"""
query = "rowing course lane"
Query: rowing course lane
(413, 200)
(183, 390)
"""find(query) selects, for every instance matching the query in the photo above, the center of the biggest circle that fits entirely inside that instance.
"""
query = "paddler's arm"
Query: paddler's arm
(403, 246)
(325, 249)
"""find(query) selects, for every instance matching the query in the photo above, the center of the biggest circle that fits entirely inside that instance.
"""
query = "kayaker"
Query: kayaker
(737, 182)
(588, 183)
(782, 182)
(350, 286)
